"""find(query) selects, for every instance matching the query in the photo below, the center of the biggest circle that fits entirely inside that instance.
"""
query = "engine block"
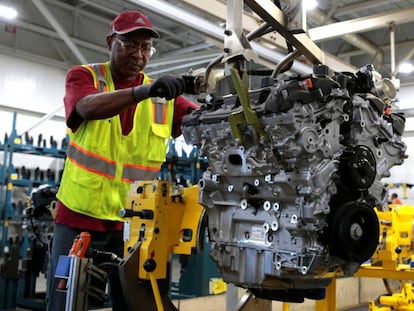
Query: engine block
(292, 183)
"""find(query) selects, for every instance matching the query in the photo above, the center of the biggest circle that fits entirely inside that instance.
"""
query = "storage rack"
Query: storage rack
(184, 169)
(9, 179)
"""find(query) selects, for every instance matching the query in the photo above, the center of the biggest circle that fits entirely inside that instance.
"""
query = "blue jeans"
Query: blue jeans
(63, 237)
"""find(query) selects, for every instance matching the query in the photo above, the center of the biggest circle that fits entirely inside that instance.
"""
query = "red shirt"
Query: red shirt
(79, 83)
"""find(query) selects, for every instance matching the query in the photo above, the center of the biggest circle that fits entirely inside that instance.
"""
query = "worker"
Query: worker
(118, 121)
(395, 199)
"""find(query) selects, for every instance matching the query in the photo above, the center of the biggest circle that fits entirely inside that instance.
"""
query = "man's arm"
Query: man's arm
(83, 99)
(107, 104)
(88, 104)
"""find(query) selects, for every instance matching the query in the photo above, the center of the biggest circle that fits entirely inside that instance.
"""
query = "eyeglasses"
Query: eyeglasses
(131, 47)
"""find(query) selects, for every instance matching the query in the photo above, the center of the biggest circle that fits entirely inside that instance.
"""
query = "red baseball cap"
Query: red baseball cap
(128, 21)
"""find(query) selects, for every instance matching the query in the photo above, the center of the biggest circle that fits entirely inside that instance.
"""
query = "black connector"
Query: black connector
(143, 214)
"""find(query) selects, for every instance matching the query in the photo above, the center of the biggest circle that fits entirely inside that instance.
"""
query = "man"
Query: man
(118, 130)
(395, 199)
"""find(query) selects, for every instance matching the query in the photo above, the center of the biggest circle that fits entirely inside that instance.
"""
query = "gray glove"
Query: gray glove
(167, 86)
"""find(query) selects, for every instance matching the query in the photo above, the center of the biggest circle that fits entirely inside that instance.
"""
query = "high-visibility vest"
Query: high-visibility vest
(101, 162)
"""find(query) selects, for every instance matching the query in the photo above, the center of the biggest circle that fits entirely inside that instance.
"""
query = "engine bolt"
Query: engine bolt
(275, 225)
(356, 231)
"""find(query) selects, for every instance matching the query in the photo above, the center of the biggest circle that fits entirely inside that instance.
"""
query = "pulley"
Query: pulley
(358, 167)
(354, 232)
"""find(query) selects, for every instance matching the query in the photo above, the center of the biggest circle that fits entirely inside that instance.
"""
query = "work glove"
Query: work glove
(167, 86)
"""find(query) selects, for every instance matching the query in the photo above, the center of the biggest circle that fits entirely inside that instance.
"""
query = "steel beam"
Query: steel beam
(363, 5)
(269, 41)
(352, 38)
(275, 17)
(59, 29)
(267, 55)
(218, 9)
(362, 24)
(251, 22)
(403, 60)
(30, 113)
(187, 65)
(53, 34)
(212, 31)
(170, 60)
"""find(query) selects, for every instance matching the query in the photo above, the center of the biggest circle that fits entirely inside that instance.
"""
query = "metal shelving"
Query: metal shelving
(11, 178)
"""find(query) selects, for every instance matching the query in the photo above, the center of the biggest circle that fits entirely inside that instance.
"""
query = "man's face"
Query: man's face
(129, 53)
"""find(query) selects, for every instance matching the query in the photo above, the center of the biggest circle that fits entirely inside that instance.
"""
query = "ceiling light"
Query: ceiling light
(7, 12)
(309, 4)
(406, 68)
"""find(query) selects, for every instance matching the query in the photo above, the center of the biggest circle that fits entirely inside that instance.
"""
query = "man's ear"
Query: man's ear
(109, 40)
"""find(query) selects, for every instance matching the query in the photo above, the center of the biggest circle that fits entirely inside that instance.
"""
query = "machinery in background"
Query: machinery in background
(295, 165)
(402, 301)
(393, 261)
(39, 222)
(9, 276)
(18, 182)
(19, 283)
(182, 168)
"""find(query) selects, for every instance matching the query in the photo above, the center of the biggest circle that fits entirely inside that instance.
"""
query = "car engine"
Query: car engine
(295, 170)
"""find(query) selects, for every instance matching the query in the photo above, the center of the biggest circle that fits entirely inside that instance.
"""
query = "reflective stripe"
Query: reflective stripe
(100, 76)
(160, 110)
(90, 161)
(139, 172)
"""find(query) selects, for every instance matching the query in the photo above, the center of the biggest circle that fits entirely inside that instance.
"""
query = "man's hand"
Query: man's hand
(167, 86)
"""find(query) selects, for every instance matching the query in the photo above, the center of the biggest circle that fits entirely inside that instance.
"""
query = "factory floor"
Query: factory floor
(218, 303)
(360, 308)
(352, 294)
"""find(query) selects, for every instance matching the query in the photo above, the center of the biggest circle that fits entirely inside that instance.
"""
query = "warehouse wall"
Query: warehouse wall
(28, 85)
(401, 173)
(35, 87)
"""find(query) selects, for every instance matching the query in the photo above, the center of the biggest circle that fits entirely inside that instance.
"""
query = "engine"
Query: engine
(293, 178)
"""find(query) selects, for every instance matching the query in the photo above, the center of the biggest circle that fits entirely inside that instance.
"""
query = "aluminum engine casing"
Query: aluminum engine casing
(291, 209)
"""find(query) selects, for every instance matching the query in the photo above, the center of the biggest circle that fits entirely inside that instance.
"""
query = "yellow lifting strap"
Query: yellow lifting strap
(248, 115)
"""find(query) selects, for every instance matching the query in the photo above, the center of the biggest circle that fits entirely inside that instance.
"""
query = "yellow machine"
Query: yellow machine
(399, 301)
(395, 248)
(163, 219)
(393, 259)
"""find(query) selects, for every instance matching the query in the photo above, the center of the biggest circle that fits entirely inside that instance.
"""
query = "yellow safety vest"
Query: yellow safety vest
(101, 162)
